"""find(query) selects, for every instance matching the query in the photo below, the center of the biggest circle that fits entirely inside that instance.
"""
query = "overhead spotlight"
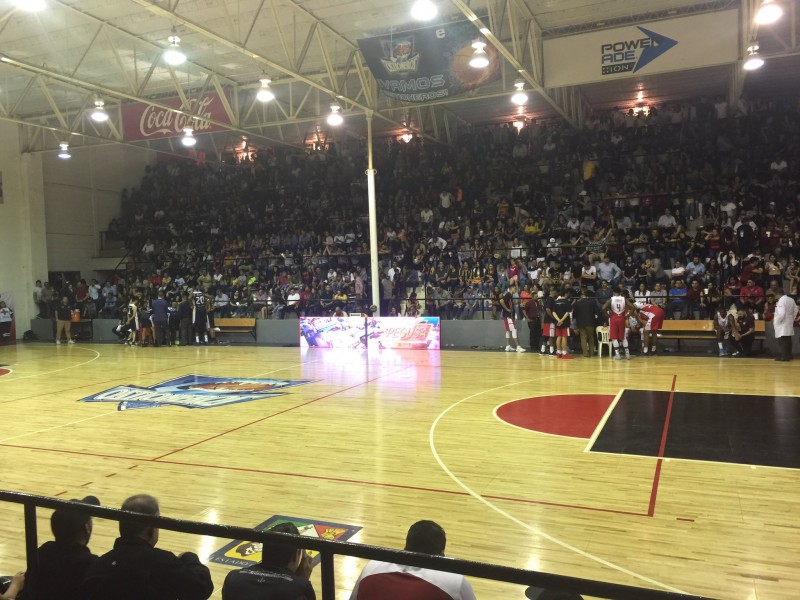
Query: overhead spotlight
(407, 137)
(479, 60)
(753, 60)
(335, 118)
(265, 94)
(173, 55)
(768, 12)
(188, 139)
(520, 97)
(424, 10)
(30, 5)
(99, 113)
(64, 154)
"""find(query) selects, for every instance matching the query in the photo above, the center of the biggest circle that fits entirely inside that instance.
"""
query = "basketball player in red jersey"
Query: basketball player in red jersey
(617, 308)
(652, 318)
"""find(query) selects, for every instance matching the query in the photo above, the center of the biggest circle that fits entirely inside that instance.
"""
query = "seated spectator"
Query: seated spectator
(677, 299)
(15, 586)
(282, 573)
(752, 297)
(63, 563)
(608, 271)
(135, 569)
(388, 581)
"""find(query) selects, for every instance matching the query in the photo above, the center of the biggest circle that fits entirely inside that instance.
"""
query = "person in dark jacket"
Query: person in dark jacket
(160, 319)
(584, 314)
(64, 562)
(282, 574)
(135, 569)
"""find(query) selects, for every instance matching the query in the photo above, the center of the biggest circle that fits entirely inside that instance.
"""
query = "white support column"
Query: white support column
(375, 276)
(23, 249)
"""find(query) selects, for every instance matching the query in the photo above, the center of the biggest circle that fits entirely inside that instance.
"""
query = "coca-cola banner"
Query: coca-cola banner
(147, 122)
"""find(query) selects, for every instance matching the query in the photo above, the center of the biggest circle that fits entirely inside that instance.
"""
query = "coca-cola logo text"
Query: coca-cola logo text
(160, 121)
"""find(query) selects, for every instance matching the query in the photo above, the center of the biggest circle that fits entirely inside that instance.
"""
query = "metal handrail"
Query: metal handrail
(328, 549)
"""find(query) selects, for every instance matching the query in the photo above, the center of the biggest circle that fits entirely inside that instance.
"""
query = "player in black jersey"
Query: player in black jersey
(199, 318)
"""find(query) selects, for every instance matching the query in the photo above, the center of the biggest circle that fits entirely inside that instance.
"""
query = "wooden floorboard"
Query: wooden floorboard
(382, 439)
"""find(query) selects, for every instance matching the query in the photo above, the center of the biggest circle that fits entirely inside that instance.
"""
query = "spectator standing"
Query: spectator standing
(135, 569)
(282, 573)
(532, 313)
(388, 581)
(63, 316)
(783, 322)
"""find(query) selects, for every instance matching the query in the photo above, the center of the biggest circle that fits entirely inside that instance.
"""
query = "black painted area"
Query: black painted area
(635, 425)
(744, 429)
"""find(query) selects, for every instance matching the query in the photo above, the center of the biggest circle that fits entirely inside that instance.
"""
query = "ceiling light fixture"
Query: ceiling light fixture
(264, 93)
(30, 5)
(64, 154)
(753, 60)
(99, 114)
(479, 60)
(173, 55)
(188, 139)
(335, 118)
(768, 13)
(520, 97)
(424, 10)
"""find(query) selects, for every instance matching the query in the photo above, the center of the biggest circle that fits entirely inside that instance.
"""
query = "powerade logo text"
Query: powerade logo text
(628, 56)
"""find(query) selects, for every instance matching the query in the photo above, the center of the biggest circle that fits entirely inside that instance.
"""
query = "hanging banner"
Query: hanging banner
(142, 121)
(661, 46)
(428, 64)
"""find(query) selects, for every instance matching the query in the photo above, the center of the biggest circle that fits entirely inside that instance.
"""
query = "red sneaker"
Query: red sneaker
(566, 357)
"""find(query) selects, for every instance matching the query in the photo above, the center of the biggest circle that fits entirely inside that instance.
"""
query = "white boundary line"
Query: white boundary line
(512, 518)
(57, 370)
(602, 422)
(22, 435)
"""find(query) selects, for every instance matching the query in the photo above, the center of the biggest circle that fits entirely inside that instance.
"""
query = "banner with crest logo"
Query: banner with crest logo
(429, 63)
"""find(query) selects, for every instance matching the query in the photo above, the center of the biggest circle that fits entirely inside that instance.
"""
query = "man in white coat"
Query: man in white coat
(783, 322)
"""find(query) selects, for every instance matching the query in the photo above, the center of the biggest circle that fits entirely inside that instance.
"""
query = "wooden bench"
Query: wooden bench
(236, 325)
(680, 329)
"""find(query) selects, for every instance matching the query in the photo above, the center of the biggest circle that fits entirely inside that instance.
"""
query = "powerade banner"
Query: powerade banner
(400, 333)
(429, 63)
(194, 391)
(656, 47)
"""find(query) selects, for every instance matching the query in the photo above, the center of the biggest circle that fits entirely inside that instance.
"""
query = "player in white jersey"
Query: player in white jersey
(617, 308)
(723, 326)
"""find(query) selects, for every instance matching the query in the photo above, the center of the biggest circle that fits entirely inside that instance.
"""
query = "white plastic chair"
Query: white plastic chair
(602, 340)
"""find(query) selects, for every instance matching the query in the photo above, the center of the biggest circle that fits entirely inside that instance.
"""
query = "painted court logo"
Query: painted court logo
(195, 391)
(629, 56)
(242, 553)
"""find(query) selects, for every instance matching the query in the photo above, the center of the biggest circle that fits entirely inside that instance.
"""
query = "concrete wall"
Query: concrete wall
(82, 195)
(23, 256)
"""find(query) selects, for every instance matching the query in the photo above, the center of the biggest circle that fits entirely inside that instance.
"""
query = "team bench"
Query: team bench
(236, 325)
(680, 329)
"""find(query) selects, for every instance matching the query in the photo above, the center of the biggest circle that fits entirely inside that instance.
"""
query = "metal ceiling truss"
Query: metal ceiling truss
(515, 33)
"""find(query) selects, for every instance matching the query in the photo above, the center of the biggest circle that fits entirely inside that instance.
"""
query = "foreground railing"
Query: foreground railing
(328, 549)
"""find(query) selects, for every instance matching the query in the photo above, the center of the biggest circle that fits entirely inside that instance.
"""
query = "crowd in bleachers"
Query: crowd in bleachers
(690, 204)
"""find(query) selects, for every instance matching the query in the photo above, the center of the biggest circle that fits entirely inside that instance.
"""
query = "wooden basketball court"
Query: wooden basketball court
(582, 480)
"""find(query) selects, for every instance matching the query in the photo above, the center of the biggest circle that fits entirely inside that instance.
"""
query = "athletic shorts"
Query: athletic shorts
(562, 331)
(549, 330)
(616, 328)
(654, 322)
(509, 324)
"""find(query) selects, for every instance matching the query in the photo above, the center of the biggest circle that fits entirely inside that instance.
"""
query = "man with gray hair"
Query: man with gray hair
(135, 569)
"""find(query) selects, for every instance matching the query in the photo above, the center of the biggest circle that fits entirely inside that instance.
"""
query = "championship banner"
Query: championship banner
(429, 63)
(142, 121)
(661, 46)
(400, 333)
